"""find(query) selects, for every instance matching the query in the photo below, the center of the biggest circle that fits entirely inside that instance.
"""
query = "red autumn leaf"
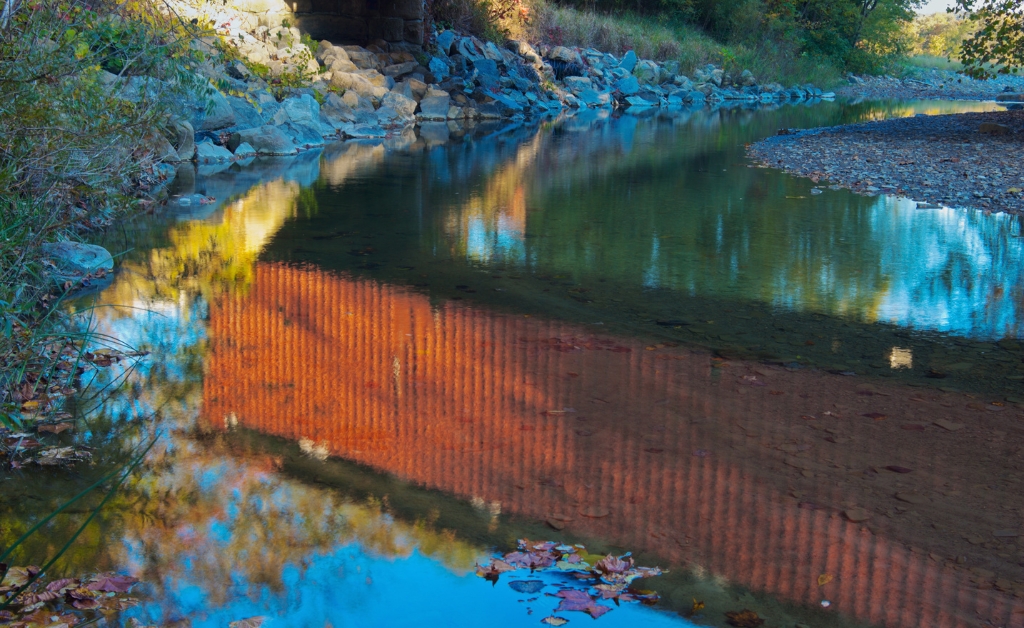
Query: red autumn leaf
(63, 584)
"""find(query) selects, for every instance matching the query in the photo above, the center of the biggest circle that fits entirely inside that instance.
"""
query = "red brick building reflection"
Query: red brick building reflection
(552, 422)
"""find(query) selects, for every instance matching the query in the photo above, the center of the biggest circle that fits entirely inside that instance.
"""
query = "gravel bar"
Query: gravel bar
(962, 160)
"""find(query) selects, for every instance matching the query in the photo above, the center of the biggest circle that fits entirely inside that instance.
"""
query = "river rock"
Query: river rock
(434, 107)
(208, 152)
(646, 72)
(303, 134)
(565, 55)
(577, 84)
(302, 109)
(184, 142)
(628, 61)
(336, 111)
(993, 128)
(628, 86)
(438, 68)
(402, 105)
(747, 79)
(246, 115)
(444, 42)
(267, 140)
(219, 114)
(75, 259)
(244, 151)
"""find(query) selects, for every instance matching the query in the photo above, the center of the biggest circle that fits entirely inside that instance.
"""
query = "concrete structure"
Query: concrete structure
(342, 21)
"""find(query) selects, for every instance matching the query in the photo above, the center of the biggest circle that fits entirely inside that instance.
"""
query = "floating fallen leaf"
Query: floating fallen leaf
(743, 619)
(554, 621)
(576, 600)
(697, 606)
(251, 622)
(611, 564)
(824, 579)
(112, 582)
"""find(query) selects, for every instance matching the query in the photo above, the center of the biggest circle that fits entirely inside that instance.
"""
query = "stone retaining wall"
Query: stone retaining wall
(353, 21)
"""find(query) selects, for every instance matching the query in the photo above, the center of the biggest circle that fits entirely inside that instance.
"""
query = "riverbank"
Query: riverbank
(967, 159)
(931, 84)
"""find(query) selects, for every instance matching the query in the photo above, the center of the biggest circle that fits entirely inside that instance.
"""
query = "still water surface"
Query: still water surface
(373, 366)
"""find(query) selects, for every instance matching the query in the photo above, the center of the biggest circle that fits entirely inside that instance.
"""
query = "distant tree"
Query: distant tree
(997, 46)
(939, 34)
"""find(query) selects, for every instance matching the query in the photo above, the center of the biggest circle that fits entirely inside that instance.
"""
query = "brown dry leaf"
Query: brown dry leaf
(251, 622)
(824, 579)
(55, 428)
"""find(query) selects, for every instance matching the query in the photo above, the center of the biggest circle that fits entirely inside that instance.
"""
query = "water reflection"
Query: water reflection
(653, 449)
(315, 309)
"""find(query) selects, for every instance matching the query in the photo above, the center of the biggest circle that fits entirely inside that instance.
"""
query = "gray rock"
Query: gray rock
(75, 259)
(404, 106)
(646, 72)
(637, 101)
(302, 109)
(747, 79)
(694, 96)
(438, 68)
(336, 111)
(185, 143)
(565, 55)
(506, 105)
(366, 131)
(161, 148)
(576, 84)
(219, 114)
(593, 98)
(244, 151)
(400, 69)
(628, 86)
(267, 140)
(246, 115)
(683, 82)
(444, 42)
(628, 61)
(434, 108)
(304, 134)
(208, 152)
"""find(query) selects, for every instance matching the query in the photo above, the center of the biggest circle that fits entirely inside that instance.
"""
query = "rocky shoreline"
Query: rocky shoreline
(275, 92)
(933, 84)
(962, 160)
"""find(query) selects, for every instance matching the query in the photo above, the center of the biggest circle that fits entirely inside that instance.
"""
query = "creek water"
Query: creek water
(374, 366)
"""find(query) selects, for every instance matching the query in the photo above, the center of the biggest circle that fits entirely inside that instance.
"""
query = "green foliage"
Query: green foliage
(938, 34)
(74, 140)
(862, 35)
(997, 44)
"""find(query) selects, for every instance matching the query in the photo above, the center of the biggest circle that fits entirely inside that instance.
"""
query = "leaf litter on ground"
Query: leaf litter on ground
(589, 578)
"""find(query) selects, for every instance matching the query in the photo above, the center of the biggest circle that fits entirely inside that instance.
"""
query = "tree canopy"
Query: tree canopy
(997, 46)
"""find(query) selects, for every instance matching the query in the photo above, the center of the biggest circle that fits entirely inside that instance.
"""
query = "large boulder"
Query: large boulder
(565, 55)
(207, 152)
(646, 72)
(302, 109)
(267, 140)
(401, 104)
(246, 115)
(628, 86)
(434, 107)
(218, 114)
(336, 112)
